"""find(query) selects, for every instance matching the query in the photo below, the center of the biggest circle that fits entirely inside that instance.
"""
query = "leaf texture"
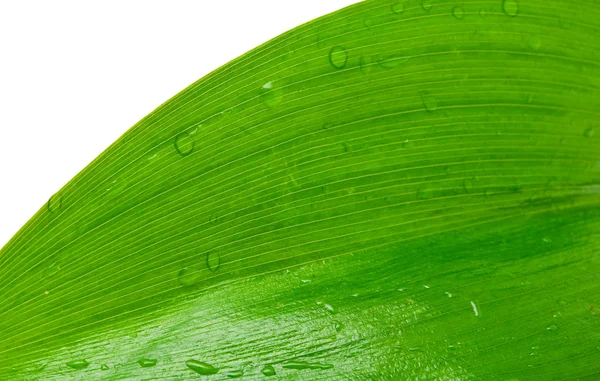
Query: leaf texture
(395, 191)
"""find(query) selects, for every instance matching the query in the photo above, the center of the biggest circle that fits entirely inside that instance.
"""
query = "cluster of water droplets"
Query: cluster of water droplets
(206, 369)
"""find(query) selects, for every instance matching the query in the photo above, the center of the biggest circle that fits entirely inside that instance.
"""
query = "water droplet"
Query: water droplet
(398, 8)
(483, 12)
(41, 367)
(299, 365)
(427, 4)
(368, 22)
(201, 367)
(55, 203)
(390, 62)
(213, 260)
(338, 57)
(186, 141)
(271, 96)
(588, 133)
(429, 101)
(534, 41)
(104, 367)
(235, 373)
(147, 363)
(552, 327)
(458, 12)
(339, 326)
(366, 64)
(189, 276)
(449, 294)
(474, 308)
(530, 98)
(510, 7)
(468, 185)
(328, 307)
(424, 194)
(426, 286)
(407, 143)
(268, 370)
(78, 364)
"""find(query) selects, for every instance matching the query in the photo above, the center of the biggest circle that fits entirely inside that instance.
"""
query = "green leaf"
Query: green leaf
(399, 190)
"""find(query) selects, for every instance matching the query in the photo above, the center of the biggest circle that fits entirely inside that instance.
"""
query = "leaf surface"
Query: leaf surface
(398, 190)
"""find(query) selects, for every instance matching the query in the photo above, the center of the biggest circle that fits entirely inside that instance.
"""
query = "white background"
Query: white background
(75, 75)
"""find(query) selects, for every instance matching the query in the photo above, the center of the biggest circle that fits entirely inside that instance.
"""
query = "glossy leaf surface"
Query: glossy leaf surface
(399, 190)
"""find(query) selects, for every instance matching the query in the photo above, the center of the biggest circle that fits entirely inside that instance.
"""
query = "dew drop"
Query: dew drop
(41, 367)
(201, 367)
(104, 367)
(429, 101)
(213, 260)
(588, 133)
(510, 7)
(534, 41)
(366, 64)
(220, 116)
(299, 365)
(427, 4)
(552, 327)
(78, 364)
(147, 363)
(271, 96)
(474, 306)
(235, 373)
(339, 326)
(55, 203)
(189, 276)
(338, 57)
(468, 185)
(398, 8)
(458, 12)
(186, 141)
(407, 143)
(424, 194)
(368, 22)
(268, 370)
(390, 62)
